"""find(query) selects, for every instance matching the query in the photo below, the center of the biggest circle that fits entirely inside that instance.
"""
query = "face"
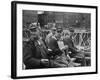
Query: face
(58, 36)
(71, 33)
(59, 31)
(53, 31)
(67, 35)
(34, 34)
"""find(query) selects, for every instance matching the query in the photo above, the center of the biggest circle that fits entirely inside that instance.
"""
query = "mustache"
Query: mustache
(34, 37)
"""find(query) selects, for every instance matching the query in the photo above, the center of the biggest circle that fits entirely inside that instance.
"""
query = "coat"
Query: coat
(74, 52)
(60, 59)
(53, 45)
(72, 48)
(32, 55)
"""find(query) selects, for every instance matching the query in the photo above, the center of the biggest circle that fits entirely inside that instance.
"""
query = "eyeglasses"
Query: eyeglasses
(59, 31)
(33, 30)
(54, 30)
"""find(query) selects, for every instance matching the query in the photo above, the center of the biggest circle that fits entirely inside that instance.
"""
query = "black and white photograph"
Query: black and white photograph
(54, 40)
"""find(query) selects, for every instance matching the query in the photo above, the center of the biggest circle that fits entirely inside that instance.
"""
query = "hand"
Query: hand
(65, 47)
(78, 50)
(45, 62)
(49, 50)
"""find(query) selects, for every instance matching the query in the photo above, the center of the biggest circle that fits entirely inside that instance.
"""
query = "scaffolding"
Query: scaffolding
(82, 40)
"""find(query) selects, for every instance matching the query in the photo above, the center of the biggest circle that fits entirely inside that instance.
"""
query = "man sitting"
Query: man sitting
(75, 53)
(35, 53)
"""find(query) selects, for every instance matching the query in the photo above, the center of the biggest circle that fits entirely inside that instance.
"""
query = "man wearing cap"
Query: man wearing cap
(51, 34)
(75, 53)
(57, 47)
(35, 54)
